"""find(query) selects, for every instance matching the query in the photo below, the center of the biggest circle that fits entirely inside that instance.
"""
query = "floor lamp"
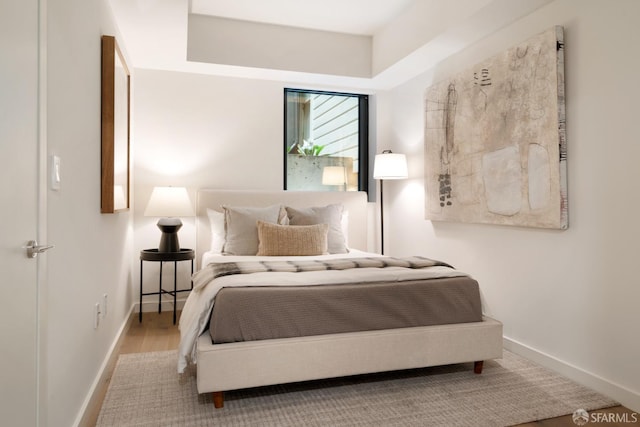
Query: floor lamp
(388, 165)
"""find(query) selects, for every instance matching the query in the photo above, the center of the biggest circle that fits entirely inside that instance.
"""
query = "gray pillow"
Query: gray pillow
(241, 230)
(330, 215)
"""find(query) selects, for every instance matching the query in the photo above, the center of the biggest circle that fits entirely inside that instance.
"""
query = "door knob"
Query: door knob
(33, 249)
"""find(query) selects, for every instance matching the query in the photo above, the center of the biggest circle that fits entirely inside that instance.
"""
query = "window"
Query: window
(326, 141)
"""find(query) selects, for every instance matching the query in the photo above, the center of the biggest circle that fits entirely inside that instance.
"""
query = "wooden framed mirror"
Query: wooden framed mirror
(115, 180)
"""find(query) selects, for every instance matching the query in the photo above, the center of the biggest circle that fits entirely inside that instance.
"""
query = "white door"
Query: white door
(19, 173)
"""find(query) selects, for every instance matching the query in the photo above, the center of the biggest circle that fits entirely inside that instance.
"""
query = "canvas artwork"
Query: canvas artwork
(495, 146)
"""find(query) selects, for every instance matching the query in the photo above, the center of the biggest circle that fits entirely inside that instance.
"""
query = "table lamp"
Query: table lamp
(388, 165)
(334, 175)
(169, 203)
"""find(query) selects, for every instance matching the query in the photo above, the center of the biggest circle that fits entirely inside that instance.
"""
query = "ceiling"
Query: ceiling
(363, 17)
(154, 32)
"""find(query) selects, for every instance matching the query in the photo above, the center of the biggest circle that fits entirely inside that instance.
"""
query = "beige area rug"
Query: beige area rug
(146, 391)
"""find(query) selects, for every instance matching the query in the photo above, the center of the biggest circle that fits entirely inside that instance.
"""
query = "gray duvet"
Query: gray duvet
(259, 313)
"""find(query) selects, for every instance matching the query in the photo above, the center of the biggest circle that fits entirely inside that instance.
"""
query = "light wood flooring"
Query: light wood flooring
(157, 333)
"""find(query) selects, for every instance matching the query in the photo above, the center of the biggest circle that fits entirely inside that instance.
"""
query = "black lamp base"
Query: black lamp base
(169, 239)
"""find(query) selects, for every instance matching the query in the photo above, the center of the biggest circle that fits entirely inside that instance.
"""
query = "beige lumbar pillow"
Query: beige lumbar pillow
(292, 240)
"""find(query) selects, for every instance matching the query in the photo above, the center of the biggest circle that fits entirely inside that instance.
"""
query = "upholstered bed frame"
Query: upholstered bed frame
(233, 366)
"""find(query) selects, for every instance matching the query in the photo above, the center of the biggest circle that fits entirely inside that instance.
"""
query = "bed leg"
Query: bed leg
(218, 399)
(477, 367)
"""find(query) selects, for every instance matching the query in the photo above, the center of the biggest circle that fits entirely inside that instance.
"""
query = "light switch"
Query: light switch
(55, 172)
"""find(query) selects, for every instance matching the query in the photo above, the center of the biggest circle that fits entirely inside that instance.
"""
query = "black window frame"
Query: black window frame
(363, 134)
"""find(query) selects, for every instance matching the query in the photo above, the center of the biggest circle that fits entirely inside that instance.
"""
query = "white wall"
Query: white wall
(570, 296)
(229, 41)
(417, 25)
(93, 251)
(202, 131)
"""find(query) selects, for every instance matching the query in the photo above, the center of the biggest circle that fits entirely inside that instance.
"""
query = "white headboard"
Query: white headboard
(354, 202)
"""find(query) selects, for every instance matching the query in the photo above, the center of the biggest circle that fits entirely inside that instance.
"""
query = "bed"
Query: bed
(307, 347)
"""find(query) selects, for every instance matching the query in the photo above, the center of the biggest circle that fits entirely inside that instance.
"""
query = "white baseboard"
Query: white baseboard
(111, 356)
(625, 396)
(109, 360)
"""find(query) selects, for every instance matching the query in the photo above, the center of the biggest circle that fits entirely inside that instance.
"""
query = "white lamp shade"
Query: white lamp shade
(169, 202)
(390, 166)
(334, 175)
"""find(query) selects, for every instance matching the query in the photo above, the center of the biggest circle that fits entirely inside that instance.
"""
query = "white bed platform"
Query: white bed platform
(223, 367)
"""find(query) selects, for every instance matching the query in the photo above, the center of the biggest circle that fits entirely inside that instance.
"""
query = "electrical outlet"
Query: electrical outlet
(96, 317)
(104, 305)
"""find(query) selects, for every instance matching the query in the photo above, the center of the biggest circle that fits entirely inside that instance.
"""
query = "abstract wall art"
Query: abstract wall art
(495, 143)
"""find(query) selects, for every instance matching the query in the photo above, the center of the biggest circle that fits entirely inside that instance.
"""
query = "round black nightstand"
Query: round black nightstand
(154, 255)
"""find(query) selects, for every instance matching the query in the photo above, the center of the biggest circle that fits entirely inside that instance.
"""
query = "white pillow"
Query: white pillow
(216, 222)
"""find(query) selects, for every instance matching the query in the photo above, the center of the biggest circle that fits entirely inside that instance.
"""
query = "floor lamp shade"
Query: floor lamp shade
(388, 165)
(169, 203)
